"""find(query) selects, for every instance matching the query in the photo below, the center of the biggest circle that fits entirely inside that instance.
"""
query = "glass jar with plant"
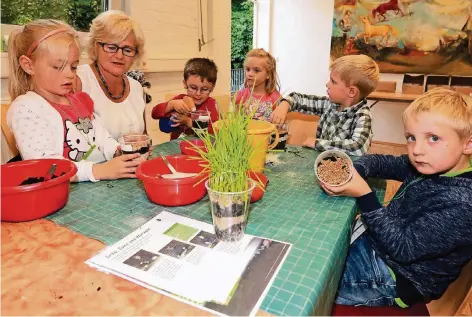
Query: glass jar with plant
(227, 160)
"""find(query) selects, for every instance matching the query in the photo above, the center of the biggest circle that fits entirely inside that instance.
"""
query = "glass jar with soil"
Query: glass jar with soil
(135, 143)
(200, 119)
(229, 212)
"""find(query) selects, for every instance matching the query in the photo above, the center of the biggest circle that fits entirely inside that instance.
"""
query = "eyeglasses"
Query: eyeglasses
(113, 48)
(202, 90)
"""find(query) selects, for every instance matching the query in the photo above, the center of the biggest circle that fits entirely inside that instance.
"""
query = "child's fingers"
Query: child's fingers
(329, 190)
(129, 157)
(129, 175)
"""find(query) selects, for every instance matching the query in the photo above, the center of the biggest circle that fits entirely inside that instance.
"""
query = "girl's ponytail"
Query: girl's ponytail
(19, 81)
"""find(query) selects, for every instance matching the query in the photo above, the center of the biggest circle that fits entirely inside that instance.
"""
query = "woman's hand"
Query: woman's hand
(181, 120)
(279, 115)
(123, 166)
(356, 187)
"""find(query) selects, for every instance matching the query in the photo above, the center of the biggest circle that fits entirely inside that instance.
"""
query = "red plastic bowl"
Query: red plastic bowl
(172, 192)
(188, 147)
(30, 202)
(257, 193)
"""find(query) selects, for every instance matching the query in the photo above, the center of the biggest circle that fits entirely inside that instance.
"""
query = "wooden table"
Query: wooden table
(43, 273)
(43, 269)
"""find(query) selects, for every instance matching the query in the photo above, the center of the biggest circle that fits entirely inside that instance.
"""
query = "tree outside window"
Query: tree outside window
(77, 13)
(241, 31)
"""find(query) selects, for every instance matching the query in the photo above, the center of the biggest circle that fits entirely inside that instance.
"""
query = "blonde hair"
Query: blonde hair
(35, 38)
(114, 26)
(272, 83)
(455, 107)
(357, 70)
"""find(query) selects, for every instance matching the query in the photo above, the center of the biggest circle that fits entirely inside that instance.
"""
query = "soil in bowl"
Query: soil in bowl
(34, 180)
(334, 170)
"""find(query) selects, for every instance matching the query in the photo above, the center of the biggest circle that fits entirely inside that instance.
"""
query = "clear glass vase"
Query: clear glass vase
(230, 212)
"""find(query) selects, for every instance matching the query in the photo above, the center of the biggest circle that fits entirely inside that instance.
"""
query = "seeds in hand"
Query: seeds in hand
(333, 170)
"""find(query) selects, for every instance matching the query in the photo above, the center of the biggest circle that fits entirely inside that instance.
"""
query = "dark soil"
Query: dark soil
(34, 180)
(200, 124)
(142, 150)
(234, 210)
(231, 234)
(282, 141)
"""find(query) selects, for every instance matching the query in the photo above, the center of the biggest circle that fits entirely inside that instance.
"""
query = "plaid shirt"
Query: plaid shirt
(349, 130)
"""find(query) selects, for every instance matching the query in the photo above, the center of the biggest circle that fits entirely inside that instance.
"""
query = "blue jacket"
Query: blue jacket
(425, 235)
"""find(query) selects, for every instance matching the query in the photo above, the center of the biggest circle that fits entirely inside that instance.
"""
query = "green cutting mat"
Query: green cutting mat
(293, 209)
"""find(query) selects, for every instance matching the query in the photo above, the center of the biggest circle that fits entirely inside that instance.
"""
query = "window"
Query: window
(77, 13)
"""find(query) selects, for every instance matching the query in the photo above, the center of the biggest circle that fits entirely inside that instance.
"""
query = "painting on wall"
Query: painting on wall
(406, 36)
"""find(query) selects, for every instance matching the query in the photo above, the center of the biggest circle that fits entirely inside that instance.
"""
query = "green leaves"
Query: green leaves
(241, 31)
(78, 13)
(228, 151)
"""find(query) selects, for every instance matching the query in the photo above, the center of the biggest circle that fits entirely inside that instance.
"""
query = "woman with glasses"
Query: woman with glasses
(116, 43)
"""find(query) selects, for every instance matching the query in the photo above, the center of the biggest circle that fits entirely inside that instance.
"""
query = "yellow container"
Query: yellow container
(259, 135)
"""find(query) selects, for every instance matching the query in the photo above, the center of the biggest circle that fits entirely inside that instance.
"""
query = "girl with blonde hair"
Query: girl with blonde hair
(261, 89)
(46, 117)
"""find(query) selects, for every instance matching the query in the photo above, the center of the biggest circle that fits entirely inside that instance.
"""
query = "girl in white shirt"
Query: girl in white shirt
(47, 119)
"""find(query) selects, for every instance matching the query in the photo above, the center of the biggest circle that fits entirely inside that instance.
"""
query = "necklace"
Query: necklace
(106, 86)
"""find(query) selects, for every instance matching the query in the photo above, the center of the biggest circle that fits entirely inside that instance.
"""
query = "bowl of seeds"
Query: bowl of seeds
(333, 167)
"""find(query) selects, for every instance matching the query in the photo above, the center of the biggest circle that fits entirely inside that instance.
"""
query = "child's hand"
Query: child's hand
(123, 166)
(279, 115)
(309, 142)
(181, 106)
(180, 119)
(356, 187)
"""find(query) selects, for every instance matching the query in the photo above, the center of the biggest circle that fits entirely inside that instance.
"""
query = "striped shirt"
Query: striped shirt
(349, 130)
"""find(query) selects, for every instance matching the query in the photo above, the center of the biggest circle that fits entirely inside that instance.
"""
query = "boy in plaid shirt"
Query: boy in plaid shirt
(345, 119)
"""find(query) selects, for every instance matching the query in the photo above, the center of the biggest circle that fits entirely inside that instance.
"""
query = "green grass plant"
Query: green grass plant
(228, 151)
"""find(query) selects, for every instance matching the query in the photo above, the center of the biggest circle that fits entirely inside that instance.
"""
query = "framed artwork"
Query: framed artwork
(406, 36)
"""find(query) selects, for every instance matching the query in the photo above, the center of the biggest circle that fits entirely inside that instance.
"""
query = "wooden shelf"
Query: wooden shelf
(392, 96)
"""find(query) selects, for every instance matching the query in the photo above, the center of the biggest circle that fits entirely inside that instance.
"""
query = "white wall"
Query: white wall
(298, 34)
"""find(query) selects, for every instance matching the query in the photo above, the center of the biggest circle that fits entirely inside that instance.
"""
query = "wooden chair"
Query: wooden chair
(301, 127)
(10, 138)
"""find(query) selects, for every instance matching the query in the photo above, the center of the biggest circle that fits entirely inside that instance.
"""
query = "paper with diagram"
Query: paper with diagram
(182, 257)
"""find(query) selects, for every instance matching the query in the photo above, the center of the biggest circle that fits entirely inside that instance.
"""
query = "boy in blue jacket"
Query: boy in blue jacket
(414, 248)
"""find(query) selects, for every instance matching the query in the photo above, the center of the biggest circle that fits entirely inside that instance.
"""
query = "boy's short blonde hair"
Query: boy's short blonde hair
(357, 70)
(113, 27)
(455, 107)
